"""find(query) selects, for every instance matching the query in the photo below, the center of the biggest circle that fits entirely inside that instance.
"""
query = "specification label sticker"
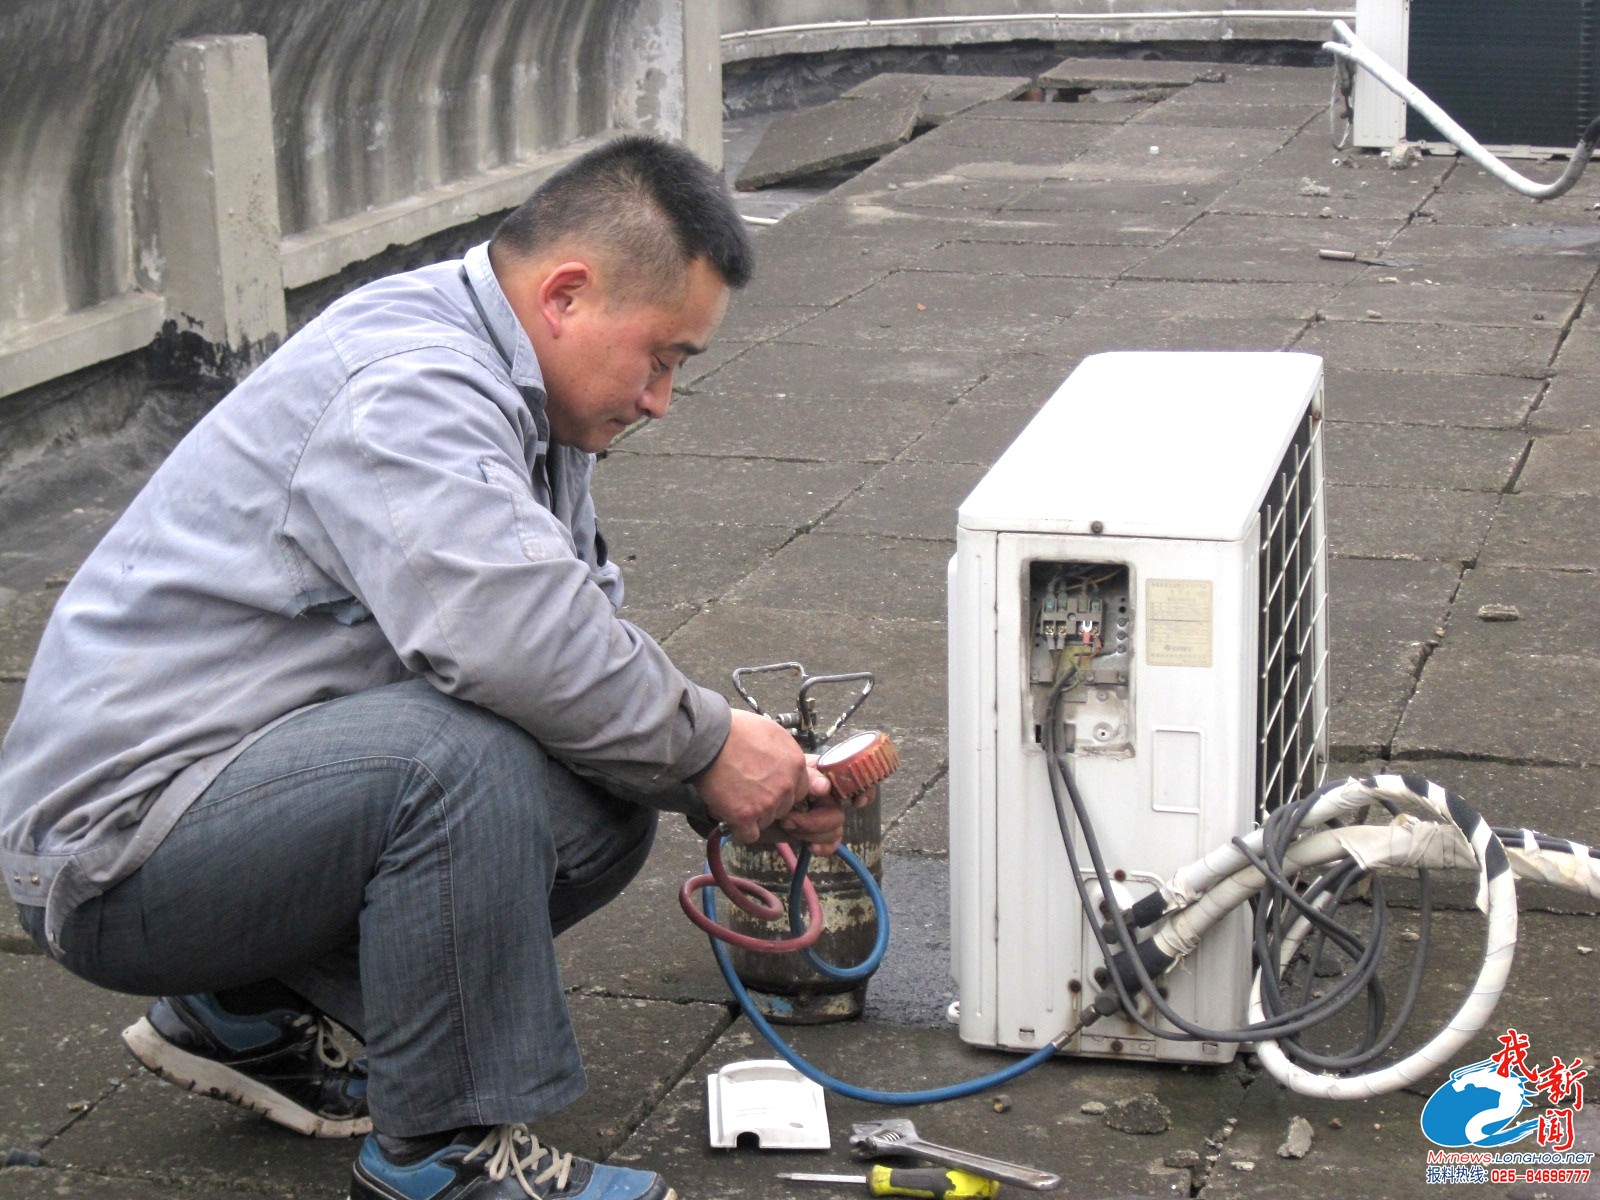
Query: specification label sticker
(1177, 622)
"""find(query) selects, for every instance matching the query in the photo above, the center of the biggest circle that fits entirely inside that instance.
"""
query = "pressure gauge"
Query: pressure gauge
(859, 762)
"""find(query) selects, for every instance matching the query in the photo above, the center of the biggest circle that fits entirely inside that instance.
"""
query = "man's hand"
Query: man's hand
(758, 776)
(821, 825)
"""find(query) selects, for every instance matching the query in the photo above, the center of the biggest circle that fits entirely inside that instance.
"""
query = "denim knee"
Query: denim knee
(587, 883)
(636, 834)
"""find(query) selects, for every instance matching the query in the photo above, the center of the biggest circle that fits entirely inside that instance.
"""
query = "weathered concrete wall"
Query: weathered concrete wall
(764, 28)
(181, 163)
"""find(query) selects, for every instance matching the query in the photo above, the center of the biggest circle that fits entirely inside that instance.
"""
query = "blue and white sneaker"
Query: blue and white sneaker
(283, 1064)
(508, 1164)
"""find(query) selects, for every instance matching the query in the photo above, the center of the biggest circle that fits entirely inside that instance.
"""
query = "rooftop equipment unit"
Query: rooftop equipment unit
(1156, 533)
(1517, 74)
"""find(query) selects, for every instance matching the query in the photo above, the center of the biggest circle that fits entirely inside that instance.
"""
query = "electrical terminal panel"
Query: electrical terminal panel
(1081, 620)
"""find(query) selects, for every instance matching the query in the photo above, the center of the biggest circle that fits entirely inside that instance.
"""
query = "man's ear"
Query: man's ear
(564, 291)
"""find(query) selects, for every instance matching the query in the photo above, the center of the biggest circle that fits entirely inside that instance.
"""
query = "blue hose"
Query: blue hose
(881, 914)
(880, 918)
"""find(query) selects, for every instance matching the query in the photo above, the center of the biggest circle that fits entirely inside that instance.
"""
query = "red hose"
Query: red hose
(753, 899)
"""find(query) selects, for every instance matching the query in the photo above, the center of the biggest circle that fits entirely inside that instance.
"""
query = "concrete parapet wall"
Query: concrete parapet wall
(764, 28)
(178, 165)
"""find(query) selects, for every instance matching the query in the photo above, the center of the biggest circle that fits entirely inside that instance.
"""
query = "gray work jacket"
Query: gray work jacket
(379, 500)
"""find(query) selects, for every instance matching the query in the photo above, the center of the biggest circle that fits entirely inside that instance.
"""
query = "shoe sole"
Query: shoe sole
(222, 1082)
(365, 1187)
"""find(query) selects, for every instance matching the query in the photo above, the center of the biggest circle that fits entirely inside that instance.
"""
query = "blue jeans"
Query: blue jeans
(404, 861)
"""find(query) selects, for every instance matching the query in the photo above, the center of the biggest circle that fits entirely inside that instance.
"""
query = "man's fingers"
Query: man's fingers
(804, 786)
(781, 807)
(803, 827)
(821, 824)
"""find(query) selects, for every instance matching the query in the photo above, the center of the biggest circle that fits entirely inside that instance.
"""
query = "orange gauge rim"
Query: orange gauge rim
(859, 762)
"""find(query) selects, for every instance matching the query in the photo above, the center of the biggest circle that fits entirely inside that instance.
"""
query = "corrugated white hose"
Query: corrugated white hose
(1333, 801)
(1349, 48)
(1577, 869)
(1458, 838)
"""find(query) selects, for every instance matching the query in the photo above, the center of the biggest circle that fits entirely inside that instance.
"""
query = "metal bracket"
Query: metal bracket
(802, 722)
(1341, 105)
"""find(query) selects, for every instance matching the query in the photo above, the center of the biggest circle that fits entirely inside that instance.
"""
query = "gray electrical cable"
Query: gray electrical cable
(1351, 49)
(1127, 967)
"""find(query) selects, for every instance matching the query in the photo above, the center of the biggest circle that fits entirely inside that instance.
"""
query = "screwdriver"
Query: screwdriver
(936, 1183)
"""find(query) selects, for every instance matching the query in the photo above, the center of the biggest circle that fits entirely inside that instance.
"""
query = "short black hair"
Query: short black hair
(644, 202)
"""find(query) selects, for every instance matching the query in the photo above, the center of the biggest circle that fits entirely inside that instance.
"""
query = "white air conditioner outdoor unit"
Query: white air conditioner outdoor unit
(1157, 531)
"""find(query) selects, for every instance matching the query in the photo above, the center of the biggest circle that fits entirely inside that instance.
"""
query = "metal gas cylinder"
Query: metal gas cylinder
(785, 987)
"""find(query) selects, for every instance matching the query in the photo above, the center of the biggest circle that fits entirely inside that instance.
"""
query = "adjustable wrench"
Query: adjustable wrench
(871, 1138)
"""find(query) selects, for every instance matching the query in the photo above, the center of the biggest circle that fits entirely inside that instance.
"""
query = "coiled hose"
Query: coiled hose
(719, 934)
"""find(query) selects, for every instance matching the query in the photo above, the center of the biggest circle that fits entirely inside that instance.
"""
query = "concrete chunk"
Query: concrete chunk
(1298, 1143)
(1382, 613)
(1449, 304)
(824, 572)
(836, 134)
(1143, 1113)
(1098, 108)
(909, 500)
(212, 172)
(1445, 350)
(1092, 73)
(946, 95)
(51, 1184)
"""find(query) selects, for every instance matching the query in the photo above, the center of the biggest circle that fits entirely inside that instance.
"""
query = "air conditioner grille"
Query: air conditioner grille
(1293, 654)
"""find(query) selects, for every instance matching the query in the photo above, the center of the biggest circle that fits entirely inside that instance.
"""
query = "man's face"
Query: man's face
(613, 363)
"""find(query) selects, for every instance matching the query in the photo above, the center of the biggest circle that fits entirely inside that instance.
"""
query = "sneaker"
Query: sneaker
(508, 1164)
(282, 1064)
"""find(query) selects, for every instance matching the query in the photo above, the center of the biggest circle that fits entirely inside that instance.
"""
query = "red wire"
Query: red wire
(753, 899)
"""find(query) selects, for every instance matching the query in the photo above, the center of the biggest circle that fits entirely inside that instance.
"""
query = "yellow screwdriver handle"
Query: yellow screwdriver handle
(931, 1183)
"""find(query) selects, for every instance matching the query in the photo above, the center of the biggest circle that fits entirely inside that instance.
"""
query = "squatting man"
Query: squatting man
(339, 723)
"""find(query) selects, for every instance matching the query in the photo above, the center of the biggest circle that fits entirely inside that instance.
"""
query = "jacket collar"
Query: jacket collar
(505, 331)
